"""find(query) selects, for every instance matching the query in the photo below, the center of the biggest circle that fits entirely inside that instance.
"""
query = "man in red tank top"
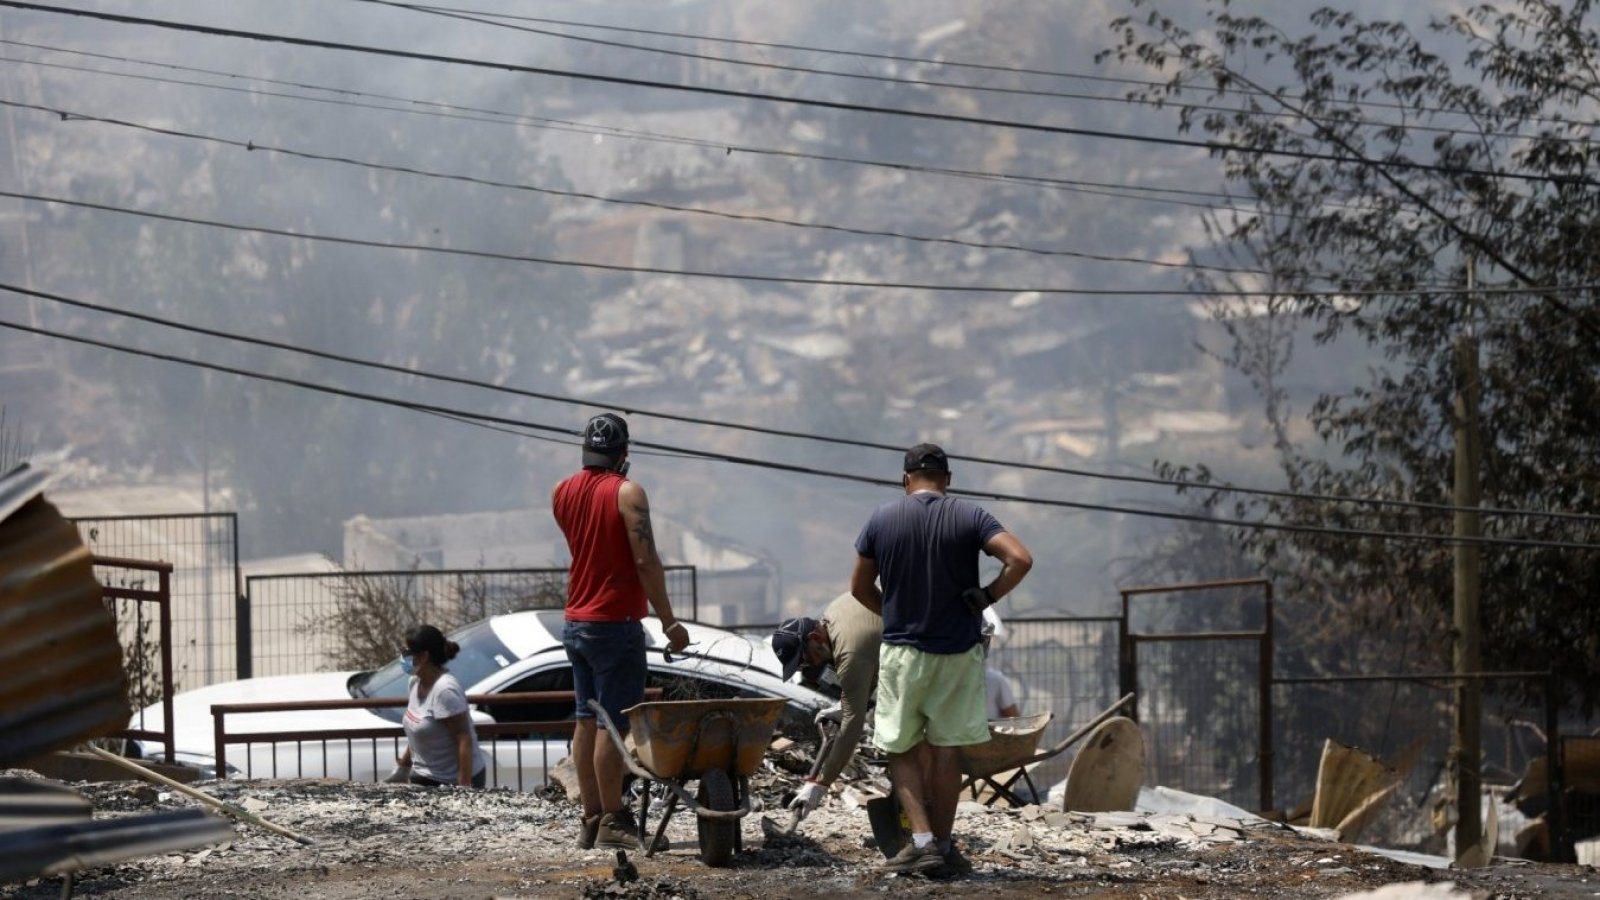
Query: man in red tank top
(615, 573)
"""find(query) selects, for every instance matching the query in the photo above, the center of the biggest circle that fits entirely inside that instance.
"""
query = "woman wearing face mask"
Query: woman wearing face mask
(441, 744)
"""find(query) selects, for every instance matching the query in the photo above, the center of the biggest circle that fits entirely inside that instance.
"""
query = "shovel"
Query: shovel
(888, 825)
(827, 731)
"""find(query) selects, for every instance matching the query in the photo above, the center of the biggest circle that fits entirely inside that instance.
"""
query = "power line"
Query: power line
(71, 115)
(498, 21)
(917, 60)
(1450, 222)
(805, 470)
(497, 117)
(934, 287)
(756, 429)
(1063, 130)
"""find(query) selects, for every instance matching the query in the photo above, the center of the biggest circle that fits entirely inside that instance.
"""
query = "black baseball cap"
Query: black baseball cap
(604, 439)
(789, 643)
(927, 457)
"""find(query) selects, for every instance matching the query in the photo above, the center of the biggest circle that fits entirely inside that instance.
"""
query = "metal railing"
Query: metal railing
(490, 735)
(141, 680)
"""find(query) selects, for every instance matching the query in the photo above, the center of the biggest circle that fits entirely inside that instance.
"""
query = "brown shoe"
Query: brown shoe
(912, 858)
(617, 831)
(587, 829)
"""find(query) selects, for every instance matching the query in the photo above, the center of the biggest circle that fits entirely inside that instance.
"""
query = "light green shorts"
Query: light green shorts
(937, 697)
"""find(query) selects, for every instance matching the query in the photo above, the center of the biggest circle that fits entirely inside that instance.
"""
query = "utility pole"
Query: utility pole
(1467, 753)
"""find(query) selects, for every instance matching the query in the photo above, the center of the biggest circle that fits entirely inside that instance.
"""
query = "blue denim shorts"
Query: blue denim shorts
(608, 664)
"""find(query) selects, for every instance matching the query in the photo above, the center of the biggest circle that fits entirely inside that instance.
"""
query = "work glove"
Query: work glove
(977, 599)
(399, 775)
(834, 714)
(808, 798)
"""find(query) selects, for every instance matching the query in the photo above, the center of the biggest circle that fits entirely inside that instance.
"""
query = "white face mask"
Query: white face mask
(828, 677)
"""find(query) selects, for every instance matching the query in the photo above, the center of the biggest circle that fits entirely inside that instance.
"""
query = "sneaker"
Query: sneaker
(954, 864)
(912, 858)
(586, 832)
(617, 831)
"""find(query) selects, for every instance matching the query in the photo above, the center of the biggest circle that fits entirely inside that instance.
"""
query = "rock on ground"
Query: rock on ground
(384, 841)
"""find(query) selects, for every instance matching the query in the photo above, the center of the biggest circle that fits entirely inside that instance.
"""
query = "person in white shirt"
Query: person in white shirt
(441, 744)
(999, 698)
(1002, 700)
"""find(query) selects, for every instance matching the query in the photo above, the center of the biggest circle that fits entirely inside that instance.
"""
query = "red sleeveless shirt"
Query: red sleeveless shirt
(603, 585)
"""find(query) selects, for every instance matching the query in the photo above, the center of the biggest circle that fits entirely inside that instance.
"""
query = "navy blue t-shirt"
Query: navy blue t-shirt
(926, 548)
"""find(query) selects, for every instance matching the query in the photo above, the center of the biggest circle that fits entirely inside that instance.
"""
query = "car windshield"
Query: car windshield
(481, 654)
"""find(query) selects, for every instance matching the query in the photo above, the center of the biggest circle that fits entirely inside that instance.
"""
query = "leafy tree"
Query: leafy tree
(1384, 162)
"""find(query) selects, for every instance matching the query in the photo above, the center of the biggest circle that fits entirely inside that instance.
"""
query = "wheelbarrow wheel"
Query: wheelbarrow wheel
(717, 836)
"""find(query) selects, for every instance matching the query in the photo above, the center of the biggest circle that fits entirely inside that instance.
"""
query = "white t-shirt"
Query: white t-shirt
(433, 747)
(999, 694)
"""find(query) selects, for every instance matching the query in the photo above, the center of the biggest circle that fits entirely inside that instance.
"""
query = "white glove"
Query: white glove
(809, 797)
(399, 775)
(834, 714)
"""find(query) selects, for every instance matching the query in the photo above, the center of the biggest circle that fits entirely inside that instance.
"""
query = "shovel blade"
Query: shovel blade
(883, 814)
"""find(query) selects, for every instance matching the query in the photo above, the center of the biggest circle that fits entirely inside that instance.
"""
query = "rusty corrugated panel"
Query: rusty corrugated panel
(17, 487)
(64, 678)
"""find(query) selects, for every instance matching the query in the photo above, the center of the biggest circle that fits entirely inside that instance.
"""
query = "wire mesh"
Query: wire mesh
(1067, 666)
(203, 551)
(1408, 724)
(1199, 709)
(334, 621)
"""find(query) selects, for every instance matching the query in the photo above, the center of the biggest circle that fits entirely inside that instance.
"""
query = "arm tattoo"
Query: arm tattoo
(641, 529)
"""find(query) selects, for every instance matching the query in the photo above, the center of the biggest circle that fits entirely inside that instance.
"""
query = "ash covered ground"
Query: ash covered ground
(383, 841)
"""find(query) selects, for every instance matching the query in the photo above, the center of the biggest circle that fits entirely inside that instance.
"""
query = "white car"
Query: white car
(514, 653)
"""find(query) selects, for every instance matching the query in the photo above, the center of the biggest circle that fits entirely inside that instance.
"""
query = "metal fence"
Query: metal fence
(1407, 721)
(1065, 665)
(129, 588)
(203, 549)
(294, 624)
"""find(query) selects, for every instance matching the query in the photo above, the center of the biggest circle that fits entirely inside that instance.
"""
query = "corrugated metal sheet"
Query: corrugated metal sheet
(17, 487)
(58, 644)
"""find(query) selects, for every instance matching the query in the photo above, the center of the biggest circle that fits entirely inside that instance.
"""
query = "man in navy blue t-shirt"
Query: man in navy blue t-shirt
(931, 701)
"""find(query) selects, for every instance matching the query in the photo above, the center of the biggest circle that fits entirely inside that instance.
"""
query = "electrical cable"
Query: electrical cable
(492, 21)
(71, 115)
(1462, 233)
(842, 106)
(500, 117)
(806, 470)
(756, 429)
(778, 279)
(915, 60)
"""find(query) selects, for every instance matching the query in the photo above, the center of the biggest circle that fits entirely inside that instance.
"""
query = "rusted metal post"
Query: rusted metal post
(1467, 749)
(1127, 680)
(1265, 748)
(244, 663)
(1555, 781)
(243, 644)
(219, 741)
(168, 739)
